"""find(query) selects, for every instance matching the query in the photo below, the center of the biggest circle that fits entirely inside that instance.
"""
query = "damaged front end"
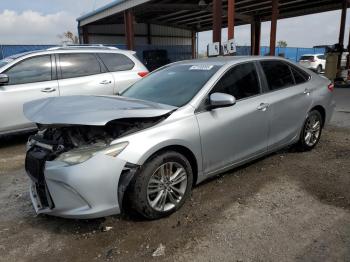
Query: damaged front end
(58, 155)
(73, 159)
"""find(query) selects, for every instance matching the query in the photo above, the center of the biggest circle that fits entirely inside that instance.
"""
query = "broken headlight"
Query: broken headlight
(82, 154)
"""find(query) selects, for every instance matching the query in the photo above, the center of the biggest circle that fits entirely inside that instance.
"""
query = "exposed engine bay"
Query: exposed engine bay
(62, 138)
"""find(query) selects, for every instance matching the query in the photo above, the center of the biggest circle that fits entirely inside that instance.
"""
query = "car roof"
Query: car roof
(72, 49)
(223, 60)
(311, 54)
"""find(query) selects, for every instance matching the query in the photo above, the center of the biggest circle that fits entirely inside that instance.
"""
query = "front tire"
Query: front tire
(162, 185)
(311, 132)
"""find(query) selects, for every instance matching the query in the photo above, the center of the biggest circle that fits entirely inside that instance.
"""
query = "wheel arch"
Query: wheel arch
(183, 150)
(322, 111)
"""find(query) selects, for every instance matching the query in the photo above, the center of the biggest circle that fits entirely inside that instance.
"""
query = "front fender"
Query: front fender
(180, 132)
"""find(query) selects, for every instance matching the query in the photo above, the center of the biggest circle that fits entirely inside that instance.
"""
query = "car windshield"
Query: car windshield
(175, 85)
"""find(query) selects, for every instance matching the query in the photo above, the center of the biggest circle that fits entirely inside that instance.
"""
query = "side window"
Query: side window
(241, 82)
(31, 70)
(321, 57)
(77, 65)
(299, 75)
(116, 62)
(278, 74)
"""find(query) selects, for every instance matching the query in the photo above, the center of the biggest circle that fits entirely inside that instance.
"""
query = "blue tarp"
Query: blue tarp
(8, 50)
(292, 53)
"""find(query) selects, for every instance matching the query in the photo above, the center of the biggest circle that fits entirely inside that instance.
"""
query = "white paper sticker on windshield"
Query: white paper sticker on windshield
(201, 67)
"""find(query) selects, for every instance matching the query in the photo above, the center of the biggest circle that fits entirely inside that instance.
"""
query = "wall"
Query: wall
(160, 35)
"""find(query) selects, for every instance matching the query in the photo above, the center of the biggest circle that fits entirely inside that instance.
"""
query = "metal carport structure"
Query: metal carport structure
(148, 21)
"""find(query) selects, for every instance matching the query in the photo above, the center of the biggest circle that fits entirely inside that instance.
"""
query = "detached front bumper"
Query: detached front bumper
(86, 190)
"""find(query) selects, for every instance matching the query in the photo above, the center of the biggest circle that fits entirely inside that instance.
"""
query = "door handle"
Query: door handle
(48, 90)
(263, 106)
(307, 91)
(105, 82)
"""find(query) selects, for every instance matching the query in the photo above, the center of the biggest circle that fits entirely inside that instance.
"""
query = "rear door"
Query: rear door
(289, 99)
(30, 79)
(83, 74)
(122, 68)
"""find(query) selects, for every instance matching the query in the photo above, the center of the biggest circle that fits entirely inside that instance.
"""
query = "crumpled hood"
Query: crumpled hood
(90, 110)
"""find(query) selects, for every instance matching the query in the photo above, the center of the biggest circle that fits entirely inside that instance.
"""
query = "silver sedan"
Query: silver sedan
(95, 156)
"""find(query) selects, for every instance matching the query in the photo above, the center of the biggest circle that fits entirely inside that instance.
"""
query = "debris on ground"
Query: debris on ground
(160, 251)
(106, 228)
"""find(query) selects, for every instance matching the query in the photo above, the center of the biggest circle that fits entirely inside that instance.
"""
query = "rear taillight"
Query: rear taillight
(312, 60)
(331, 87)
(143, 73)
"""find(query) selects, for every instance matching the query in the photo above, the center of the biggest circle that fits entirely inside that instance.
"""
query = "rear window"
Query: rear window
(299, 75)
(278, 74)
(307, 57)
(116, 62)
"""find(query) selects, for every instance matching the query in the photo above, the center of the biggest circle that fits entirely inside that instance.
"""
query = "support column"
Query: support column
(342, 31)
(255, 35)
(149, 38)
(273, 31)
(348, 58)
(342, 22)
(129, 29)
(230, 19)
(85, 35)
(217, 20)
(193, 44)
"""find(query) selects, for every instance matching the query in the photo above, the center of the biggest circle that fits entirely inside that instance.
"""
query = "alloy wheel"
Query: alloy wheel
(312, 130)
(167, 186)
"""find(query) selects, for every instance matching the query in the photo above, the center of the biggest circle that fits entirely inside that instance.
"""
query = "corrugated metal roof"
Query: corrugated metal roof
(108, 10)
(189, 15)
(100, 9)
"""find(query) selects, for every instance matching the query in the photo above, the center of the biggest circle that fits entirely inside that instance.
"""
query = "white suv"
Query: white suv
(316, 62)
(62, 71)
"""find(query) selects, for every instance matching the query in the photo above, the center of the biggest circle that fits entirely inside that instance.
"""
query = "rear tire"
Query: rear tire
(311, 132)
(319, 69)
(162, 185)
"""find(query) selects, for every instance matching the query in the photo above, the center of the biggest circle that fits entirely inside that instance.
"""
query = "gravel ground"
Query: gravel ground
(288, 206)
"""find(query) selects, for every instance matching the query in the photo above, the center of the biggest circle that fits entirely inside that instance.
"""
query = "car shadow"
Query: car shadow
(14, 139)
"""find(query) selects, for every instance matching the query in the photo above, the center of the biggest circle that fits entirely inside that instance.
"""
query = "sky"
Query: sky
(41, 21)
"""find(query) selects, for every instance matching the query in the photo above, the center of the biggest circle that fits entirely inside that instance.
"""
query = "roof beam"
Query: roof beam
(194, 18)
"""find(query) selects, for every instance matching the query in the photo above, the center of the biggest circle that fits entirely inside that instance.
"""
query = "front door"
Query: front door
(230, 135)
(29, 79)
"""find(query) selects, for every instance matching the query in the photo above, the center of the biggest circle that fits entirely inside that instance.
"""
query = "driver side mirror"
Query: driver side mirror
(4, 79)
(221, 100)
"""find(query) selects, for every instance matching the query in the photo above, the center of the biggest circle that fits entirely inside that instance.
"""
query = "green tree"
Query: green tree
(69, 38)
